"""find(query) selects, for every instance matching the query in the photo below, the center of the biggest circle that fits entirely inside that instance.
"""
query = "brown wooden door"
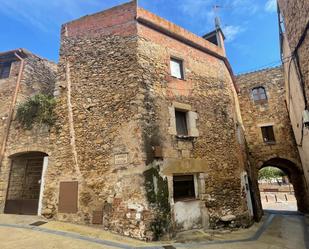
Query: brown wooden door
(26, 202)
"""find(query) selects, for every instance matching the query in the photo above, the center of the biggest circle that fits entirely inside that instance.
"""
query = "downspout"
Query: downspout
(12, 107)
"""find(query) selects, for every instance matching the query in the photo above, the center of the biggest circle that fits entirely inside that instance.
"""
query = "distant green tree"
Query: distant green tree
(269, 173)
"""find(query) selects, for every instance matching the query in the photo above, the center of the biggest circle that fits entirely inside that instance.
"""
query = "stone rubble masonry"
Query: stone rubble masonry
(114, 92)
(296, 23)
(38, 77)
(273, 112)
(296, 19)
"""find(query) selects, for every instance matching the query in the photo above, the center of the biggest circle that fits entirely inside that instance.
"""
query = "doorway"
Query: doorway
(276, 190)
(24, 187)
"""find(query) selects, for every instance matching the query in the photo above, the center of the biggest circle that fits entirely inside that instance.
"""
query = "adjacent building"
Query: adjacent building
(268, 131)
(294, 41)
(22, 75)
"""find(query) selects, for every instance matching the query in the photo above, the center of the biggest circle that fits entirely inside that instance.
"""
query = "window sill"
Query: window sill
(174, 77)
(260, 102)
(270, 143)
(185, 137)
(188, 199)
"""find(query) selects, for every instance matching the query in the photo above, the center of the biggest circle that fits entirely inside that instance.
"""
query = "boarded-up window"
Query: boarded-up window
(183, 186)
(176, 68)
(259, 94)
(5, 69)
(181, 123)
(68, 197)
(268, 134)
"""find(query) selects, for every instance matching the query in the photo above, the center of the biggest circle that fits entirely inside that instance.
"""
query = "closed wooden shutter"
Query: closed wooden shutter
(68, 197)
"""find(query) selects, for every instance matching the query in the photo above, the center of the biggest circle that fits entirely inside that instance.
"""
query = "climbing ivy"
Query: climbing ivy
(37, 109)
(158, 198)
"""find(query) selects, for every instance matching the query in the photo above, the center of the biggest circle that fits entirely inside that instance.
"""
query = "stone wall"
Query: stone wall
(213, 155)
(38, 76)
(271, 112)
(296, 19)
(99, 122)
(295, 41)
(115, 128)
(114, 94)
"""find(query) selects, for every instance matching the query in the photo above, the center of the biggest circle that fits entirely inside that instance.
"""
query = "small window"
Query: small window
(268, 134)
(259, 95)
(176, 68)
(5, 69)
(181, 123)
(183, 186)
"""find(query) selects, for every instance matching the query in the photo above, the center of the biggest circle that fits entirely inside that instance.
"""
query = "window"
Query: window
(181, 123)
(259, 94)
(176, 68)
(5, 69)
(268, 134)
(183, 186)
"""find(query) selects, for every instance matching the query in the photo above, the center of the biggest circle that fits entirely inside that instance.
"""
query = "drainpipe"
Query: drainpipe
(12, 107)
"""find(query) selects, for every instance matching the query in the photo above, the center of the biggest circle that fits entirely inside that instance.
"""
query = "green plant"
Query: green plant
(37, 109)
(269, 173)
(157, 195)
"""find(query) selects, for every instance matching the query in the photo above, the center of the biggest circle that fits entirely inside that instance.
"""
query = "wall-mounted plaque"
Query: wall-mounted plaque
(121, 159)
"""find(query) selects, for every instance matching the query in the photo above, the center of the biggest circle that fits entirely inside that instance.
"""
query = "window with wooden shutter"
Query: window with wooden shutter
(5, 69)
(268, 134)
(68, 197)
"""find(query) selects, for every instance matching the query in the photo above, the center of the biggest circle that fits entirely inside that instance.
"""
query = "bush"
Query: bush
(37, 109)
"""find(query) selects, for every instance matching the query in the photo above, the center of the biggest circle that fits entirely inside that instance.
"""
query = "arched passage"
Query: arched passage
(296, 178)
(24, 186)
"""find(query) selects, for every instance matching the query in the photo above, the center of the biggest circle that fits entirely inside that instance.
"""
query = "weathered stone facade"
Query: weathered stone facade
(115, 107)
(116, 134)
(295, 53)
(36, 76)
(270, 112)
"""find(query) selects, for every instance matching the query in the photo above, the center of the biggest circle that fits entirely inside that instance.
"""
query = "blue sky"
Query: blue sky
(250, 26)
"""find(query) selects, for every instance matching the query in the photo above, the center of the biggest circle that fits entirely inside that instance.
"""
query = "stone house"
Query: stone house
(268, 131)
(294, 43)
(148, 137)
(22, 75)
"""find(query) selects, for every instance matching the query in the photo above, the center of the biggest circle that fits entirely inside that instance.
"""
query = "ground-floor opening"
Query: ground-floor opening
(25, 183)
(285, 189)
(276, 190)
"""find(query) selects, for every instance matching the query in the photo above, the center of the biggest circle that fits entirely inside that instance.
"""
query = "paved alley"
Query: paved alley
(280, 230)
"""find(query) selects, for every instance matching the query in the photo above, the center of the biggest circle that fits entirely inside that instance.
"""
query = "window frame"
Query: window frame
(4, 65)
(192, 187)
(186, 126)
(268, 134)
(260, 92)
(181, 67)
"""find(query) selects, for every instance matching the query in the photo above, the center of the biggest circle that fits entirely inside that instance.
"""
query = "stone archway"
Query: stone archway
(296, 177)
(25, 183)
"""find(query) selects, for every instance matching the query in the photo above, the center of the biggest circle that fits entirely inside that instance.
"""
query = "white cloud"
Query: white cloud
(231, 32)
(198, 9)
(244, 6)
(271, 6)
